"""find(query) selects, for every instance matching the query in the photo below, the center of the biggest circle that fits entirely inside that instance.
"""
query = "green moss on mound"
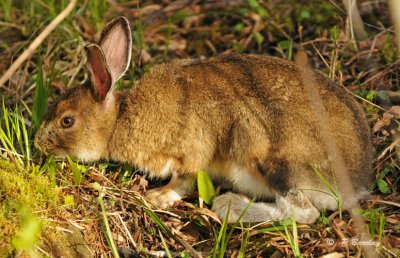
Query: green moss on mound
(25, 200)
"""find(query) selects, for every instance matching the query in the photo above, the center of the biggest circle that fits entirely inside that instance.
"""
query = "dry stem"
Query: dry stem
(338, 163)
(38, 40)
(394, 6)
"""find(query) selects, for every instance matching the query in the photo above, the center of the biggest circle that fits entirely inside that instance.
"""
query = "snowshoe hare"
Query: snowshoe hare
(243, 118)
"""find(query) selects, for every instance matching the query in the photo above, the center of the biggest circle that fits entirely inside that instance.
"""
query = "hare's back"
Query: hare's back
(248, 103)
(233, 86)
(264, 92)
(270, 81)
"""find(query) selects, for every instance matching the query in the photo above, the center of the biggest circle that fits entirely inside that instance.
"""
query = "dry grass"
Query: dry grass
(369, 68)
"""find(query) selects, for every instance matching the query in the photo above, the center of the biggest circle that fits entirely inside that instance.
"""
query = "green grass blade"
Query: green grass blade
(26, 140)
(159, 223)
(219, 242)
(40, 98)
(108, 234)
(5, 141)
(6, 118)
(8, 146)
(335, 192)
(167, 251)
(75, 171)
(16, 130)
(236, 223)
(243, 245)
(326, 183)
(6, 137)
(7, 9)
(155, 218)
(292, 239)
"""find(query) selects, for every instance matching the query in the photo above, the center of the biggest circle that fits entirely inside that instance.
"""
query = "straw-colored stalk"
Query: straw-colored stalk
(357, 29)
(36, 43)
(394, 6)
(338, 163)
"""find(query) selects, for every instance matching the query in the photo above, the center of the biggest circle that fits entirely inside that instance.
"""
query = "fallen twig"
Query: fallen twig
(29, 51)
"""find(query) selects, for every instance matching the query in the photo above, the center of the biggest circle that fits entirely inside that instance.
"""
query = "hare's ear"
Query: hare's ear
(101, 76)
(116, 43)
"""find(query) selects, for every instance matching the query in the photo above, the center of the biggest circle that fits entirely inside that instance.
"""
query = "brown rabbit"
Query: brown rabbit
(243, 118)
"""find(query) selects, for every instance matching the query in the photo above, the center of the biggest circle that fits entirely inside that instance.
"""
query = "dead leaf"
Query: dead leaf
(388, 125)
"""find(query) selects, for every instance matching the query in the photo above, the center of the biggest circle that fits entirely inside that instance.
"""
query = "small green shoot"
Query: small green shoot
(258, 8)
(323, 219)
(103, 165)
(287, 47)
(127, 172)
(376, 222)
(383, 186)
(334, 57)
(259, 39)
(389, 50)
(239, 27)
(205, 187)
(79, 171)
(380, 182)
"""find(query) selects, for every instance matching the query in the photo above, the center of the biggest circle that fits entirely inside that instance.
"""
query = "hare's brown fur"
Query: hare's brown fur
(245, 118)
(247, 108)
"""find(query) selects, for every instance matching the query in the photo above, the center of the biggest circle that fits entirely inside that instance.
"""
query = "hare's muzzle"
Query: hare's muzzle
(42, 140)
(38, 142)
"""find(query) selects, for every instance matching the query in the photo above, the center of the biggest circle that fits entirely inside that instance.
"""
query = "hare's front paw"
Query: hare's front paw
(163, 197)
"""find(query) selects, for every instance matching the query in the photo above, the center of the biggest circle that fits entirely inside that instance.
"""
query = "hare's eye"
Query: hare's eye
(67, 122)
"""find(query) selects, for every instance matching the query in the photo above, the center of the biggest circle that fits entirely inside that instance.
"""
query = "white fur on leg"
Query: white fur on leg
(296, 204)
(163, 197)
(237, 203)
(293, 204)
(175, 190)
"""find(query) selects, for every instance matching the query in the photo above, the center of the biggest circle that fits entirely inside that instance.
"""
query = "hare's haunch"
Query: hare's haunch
(243, 118)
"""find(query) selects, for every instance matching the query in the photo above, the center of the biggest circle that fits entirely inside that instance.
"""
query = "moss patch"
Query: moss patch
(25, 198)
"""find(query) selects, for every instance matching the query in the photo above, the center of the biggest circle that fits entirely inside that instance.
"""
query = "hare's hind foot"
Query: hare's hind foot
(292, 204)
(175, 190)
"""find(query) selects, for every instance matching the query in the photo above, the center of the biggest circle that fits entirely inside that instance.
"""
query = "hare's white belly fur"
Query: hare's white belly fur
(303, 204)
